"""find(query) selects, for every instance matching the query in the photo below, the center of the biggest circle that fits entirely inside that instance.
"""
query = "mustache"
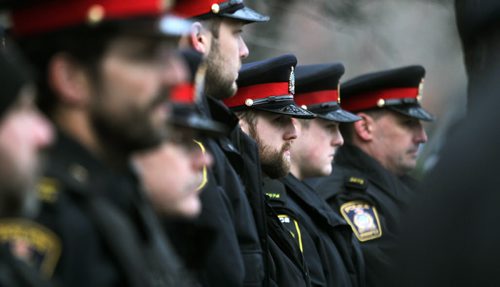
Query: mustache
(286, 146)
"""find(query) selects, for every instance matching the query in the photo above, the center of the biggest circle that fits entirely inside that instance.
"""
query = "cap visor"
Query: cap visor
(291, 110)
(200, 125)
(246, 14)
(413, 111)
(339, 115)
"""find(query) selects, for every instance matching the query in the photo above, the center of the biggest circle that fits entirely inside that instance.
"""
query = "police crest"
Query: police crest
(363, 219)
(291, 82)
(31, 243)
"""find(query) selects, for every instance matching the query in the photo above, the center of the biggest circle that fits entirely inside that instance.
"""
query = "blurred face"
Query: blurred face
(172, 175)
(130, 107)
(224, 60)
(24, 132)
(274, 134)
(313, 152)
(396, 140)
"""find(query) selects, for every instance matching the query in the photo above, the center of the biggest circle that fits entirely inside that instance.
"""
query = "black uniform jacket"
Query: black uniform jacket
(331, 252)
(372, 200)
(228, 237)
(288, 267)
(108, 232)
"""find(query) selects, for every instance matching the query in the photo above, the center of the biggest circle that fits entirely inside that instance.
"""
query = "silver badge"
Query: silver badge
(291, 82)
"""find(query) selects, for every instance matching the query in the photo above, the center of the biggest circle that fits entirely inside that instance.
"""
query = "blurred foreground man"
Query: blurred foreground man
(370, 185)
(230, 240)
(174, 173)
(24, 133)
(105, 72)
(331, 252)
(265, 105)
(450, 237)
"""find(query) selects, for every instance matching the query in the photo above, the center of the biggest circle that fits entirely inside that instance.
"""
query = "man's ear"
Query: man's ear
(244, 126)
(200, 38)
(364, 127)
(68, 80)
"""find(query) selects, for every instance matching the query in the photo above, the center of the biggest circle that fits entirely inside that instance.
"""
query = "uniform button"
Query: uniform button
(79, 173)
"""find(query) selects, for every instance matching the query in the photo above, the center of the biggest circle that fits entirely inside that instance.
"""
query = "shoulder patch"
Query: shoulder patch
(363, 219)
(32, 243)
(355, 182)
(293, 227)
(48, 189)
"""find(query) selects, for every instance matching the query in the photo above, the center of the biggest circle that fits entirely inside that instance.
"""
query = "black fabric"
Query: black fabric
(331, 246)
(110, 236)
(386, 192)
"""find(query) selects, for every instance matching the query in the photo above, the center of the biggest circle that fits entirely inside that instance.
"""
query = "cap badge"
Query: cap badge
(338, 93)
(420, 89)
(291, 82)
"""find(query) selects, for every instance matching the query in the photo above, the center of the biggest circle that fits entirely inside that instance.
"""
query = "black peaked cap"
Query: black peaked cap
(396, 89)
(268, 85)
(317, 91)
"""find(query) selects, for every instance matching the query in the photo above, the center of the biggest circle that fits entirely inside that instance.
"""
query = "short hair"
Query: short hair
(250, 117)
(347, 129)
(213, 25)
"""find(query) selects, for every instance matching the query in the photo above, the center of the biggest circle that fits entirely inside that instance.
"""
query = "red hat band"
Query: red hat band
(52, 15)
(376, 99)
(319, 97)
(193, 8)
(256, 92)
(183, 94)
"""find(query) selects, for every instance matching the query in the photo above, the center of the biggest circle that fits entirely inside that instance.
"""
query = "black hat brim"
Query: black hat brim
(413, 111)
(200, 125)
(341, 116)
(289, 109)
(247, 15)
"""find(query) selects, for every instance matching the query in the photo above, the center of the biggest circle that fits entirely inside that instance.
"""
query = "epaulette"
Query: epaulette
(32, 243)
(363, 219)
(275, 192)
(355, 182)
(48, 189)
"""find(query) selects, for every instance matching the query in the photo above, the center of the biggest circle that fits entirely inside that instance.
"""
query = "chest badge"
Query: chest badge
(363, 219)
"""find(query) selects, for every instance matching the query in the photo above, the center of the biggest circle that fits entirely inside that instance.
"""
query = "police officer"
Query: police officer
(370, 185)
(24, 133)
(331, 252)
(232, 213)
(104, 77)
(264, 103)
